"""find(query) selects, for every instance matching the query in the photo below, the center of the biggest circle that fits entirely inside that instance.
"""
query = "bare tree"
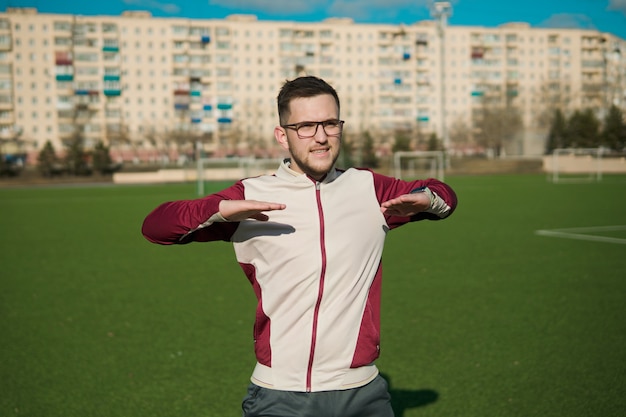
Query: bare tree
(460, 133)
(497, 126)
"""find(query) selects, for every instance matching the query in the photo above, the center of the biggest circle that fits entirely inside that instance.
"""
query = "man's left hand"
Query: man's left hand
(406, 205)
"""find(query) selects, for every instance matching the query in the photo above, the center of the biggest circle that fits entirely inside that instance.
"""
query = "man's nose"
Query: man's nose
(320, 134)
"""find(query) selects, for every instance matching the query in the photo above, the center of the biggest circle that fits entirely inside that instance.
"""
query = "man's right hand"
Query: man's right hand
(238, 210)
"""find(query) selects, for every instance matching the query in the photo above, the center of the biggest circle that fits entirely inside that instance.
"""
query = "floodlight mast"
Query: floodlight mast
(442, 10)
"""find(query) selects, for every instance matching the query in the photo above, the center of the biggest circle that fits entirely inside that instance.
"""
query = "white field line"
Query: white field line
(584, 233)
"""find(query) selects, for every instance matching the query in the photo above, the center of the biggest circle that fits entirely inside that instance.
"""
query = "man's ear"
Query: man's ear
(281, 137)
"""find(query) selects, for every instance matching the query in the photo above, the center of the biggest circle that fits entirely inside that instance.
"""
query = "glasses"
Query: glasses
(306, 130)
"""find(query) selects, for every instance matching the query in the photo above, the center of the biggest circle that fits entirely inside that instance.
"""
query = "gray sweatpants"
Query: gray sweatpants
(371, 400)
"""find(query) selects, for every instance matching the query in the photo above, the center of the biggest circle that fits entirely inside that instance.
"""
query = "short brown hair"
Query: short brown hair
(307, 86)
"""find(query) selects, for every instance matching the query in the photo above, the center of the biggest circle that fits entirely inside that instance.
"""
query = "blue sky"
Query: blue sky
(604, 15)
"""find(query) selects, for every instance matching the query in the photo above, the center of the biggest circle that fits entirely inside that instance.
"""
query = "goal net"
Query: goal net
(575, 165)
(419, 164)
(218, 169)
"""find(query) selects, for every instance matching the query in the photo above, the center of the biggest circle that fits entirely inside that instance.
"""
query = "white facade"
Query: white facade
(148, 85)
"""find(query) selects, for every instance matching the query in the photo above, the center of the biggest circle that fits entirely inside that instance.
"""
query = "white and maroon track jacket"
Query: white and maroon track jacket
(315, 267)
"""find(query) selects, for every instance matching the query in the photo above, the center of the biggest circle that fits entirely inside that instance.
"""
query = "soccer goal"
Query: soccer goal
(216, 169)
(419, 164)
(575, 165)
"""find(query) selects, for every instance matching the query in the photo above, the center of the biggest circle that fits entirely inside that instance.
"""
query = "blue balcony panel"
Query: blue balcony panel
(224, 120)
(111, 78)
(205, 39)
(224, 106)
(207, 107)
(110, 49)
(181, 106)
(196, 120)
(195, 93)
(65, 77)
(112, 92)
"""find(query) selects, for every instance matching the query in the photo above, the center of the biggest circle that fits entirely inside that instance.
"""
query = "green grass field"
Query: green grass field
(482, 317)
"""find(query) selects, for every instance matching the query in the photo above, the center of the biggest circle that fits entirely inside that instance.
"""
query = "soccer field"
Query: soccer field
(513, 307)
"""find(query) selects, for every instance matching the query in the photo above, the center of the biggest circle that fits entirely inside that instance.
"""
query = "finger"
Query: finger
(268, 206)
(260, 217)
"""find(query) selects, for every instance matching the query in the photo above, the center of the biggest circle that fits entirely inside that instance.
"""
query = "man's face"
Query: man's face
(314, 156)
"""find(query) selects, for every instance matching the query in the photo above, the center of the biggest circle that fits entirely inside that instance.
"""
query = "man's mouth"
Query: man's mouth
(319, 151)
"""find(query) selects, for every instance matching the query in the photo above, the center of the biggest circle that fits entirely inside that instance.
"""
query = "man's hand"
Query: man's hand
(238, 210)
(406, 205)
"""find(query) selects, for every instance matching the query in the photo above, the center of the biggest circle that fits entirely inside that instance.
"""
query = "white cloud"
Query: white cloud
(169, 8)
(356, 9)
(364, 9)
(284, 7)
(619, 5)
(568, 20)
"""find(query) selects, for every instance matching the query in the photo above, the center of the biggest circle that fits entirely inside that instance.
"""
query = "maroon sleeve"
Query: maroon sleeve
(389, 187)
(179, 222)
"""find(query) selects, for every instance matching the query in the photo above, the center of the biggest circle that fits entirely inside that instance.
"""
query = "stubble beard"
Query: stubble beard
(310, 169)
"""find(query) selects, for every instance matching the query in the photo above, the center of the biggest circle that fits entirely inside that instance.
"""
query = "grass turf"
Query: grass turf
(481, 316)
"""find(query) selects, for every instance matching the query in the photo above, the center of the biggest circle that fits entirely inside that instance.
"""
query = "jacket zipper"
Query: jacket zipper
(320, 288)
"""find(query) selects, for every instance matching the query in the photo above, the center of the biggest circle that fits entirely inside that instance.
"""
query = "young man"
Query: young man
(310, 240)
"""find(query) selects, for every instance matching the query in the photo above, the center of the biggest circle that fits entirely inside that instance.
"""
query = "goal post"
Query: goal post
(575, 165)
(419, 164)
(216, 169)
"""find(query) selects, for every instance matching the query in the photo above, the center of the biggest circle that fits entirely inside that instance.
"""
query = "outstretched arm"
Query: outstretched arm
(408, 204)
(404, 201)
(237, 210)
(213, 217)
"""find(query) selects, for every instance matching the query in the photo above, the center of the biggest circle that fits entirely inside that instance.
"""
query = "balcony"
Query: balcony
(65, 77)
(64, 62)
(112, 92)
(86, 92)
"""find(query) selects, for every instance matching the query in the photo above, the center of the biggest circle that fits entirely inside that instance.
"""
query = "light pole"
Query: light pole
(441, 10)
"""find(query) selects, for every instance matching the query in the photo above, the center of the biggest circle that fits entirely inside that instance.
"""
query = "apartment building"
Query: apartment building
(157, 87)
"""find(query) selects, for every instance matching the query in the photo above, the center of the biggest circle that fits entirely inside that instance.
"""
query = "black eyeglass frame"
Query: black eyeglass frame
(297, 126)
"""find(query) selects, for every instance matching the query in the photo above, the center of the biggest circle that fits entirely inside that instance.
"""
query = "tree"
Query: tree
(3, 163)
(582, 130)
(401, 143)
(553, 95)
(346, 159)
(614, 132)
(101, 159)
(47, 161)
(76, 158)
(369, 158)
(460, 134)
(557, 135)
(434, 144)
(497, 126)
